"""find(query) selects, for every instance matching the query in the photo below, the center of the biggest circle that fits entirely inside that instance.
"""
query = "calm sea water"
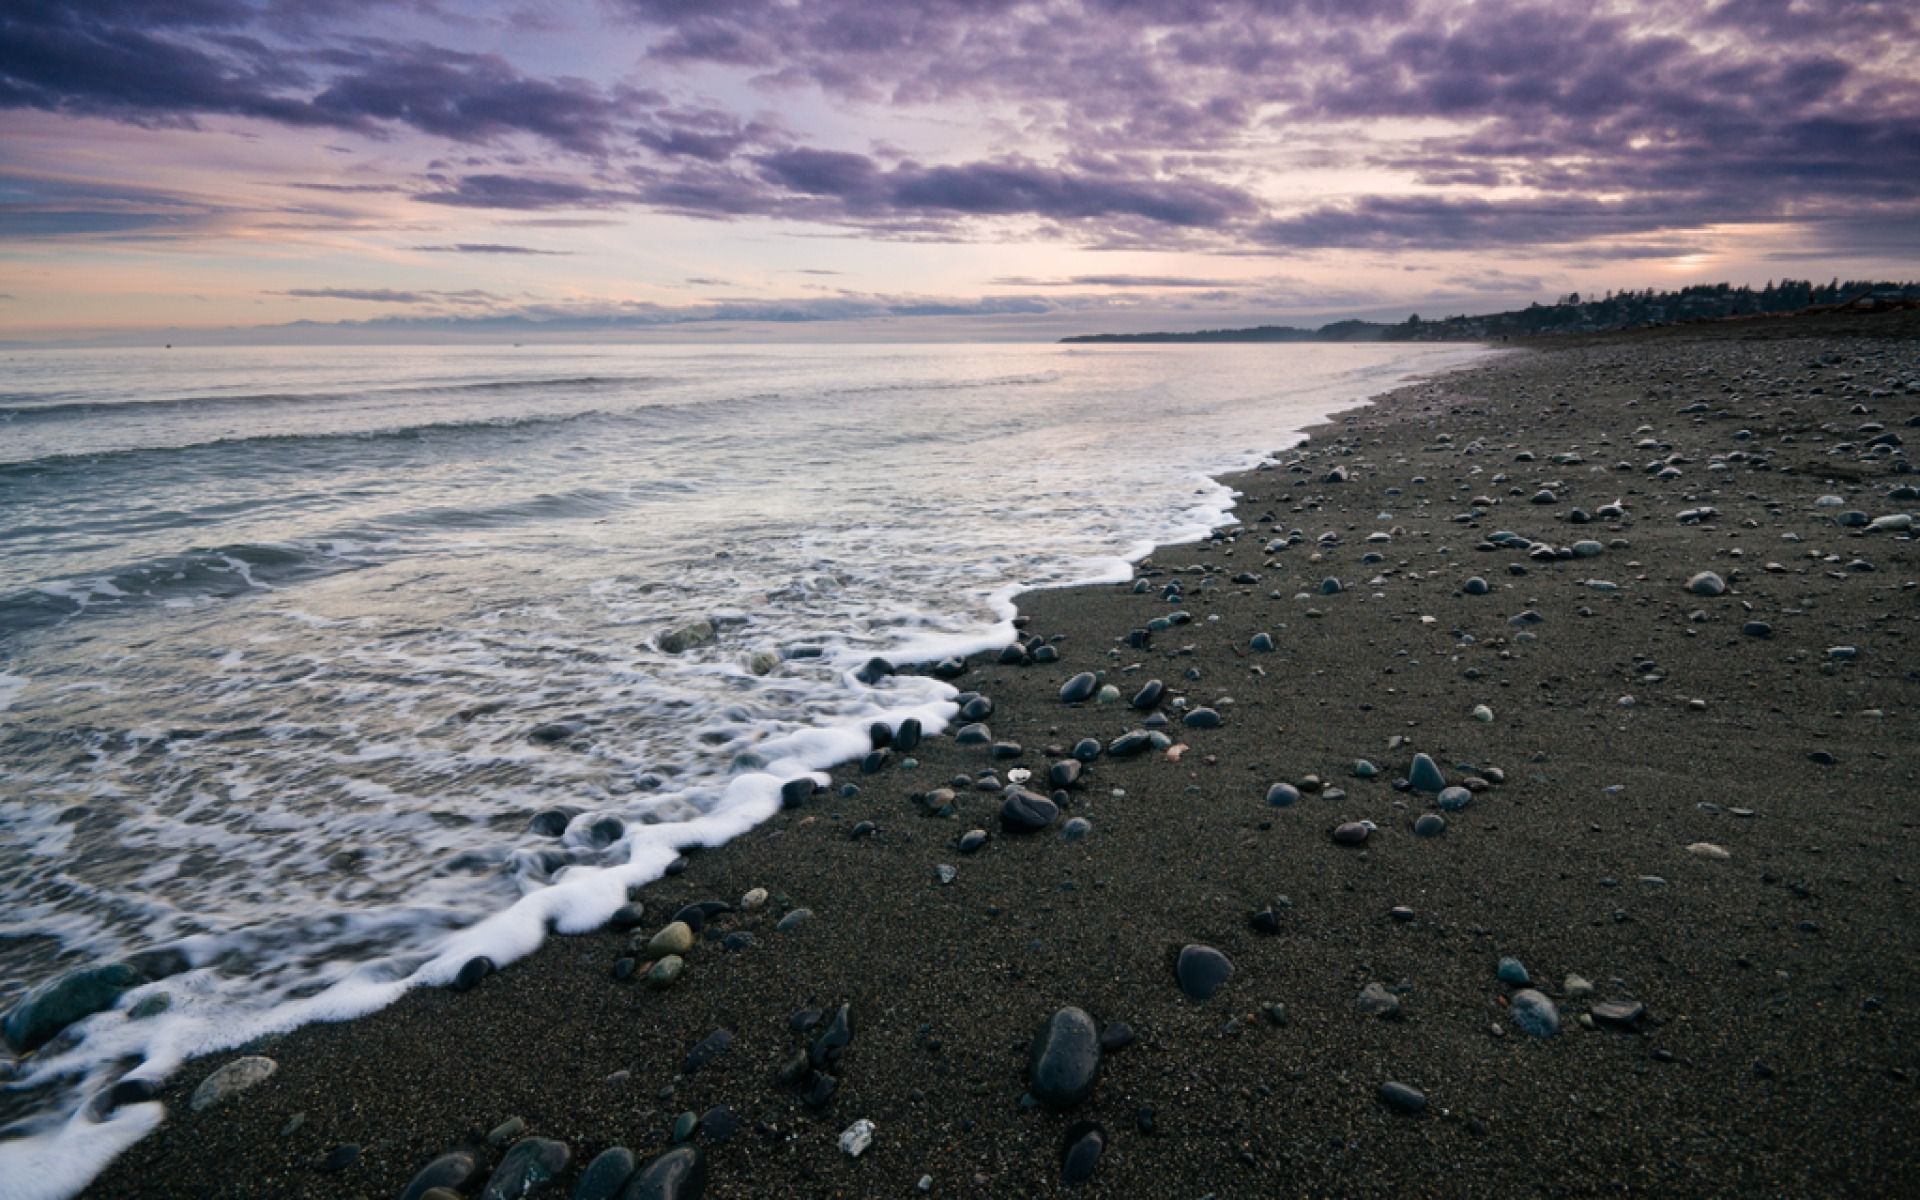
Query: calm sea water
(276, 627)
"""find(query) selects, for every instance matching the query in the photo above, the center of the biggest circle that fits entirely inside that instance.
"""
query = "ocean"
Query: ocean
(296, 642)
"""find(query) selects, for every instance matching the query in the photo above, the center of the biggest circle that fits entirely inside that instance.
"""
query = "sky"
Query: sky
(939, 169)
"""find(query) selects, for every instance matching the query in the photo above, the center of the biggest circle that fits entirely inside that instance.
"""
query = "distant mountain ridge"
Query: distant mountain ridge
(1572, 314)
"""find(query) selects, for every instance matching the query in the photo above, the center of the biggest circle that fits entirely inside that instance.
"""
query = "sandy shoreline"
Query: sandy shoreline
(1776, 1055)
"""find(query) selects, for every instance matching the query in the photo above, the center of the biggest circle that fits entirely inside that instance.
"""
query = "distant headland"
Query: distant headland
(1572, 314)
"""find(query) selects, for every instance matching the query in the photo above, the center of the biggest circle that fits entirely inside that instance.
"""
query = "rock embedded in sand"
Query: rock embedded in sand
(1201, 971)
(526, 1168)
(1283, 795)
(1202, 718)
(605, 1176)
(1622, 1014)
(793, 920)
(676, 938)
(1375, 1000)
(1064, 1059)
(449, 1172)
(1706, 583)
(1429, 825)
(1149, 695)
(1454, 799)
(1080, 1152)
(1351, 833)
(664, 972)
(1425, 775)
(1025, 812)
(232, 1079)
(856, 1138)
(1534, 1013)
(1510, 971)
(1404, 1099)
(753, 900)
(1080, 688)
(679, 1174)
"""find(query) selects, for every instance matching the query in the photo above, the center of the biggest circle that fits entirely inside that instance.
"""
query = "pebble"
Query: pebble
(1534, 1013)
(855, 1139)
(1375, 1000)
(1064, 1059)
(1148, 696)
(1201, 971)
(1401, 1098)
(526, 1168)
(665, 971)
(679, 1174)
(1025, 812)
(232, 1079)
(753, 900)
(1429, 825)
(449, 1172)
(1202, 718)
(1476, 586)
(676, 938)
(1453, 799)
(1510, 971)
(1351, 833)
(1080, 1152)
(1621, 1013)
(1283, 795)
(1706, 583)
(605, 1175)
(1077, 829)
(1709, 850)
(1425, 775)
(1080, 688)
(793, 920)
(710, 1047)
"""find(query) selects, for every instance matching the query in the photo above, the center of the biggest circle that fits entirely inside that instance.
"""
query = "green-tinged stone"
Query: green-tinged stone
(666, 971)
(53, 1006)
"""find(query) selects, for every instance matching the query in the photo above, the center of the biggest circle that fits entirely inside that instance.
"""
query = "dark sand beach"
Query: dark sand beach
(1681, 808)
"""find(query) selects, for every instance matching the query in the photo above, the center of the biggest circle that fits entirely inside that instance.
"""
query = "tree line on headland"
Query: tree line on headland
(1574, 314)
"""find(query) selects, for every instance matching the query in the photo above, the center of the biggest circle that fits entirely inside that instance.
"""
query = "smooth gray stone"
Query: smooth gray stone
(1077, 829)
(451, 1171)
(1429, 825)
(1080, 1153)
(1618, 1012)
(1351, 833)
(1025, 812)
(527, 1167)
(1064, 773)
(1534, 1013)
(1401, 1098)
(1129, 744)
(1201, 971)
(1283, 795)
(679, 1174)
(605, 1175)
(1064, 1059)
(1706, 583)
(973, 735)
(1080, 688)
(1425, 775)
(1202, 718)
(1149, 695)
(232, 1079)
(1453, 799)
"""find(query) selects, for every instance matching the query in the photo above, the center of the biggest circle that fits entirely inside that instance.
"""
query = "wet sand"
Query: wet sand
(1777, 1054)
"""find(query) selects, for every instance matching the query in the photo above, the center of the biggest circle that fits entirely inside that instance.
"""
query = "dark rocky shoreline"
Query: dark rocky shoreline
(1690, 835)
